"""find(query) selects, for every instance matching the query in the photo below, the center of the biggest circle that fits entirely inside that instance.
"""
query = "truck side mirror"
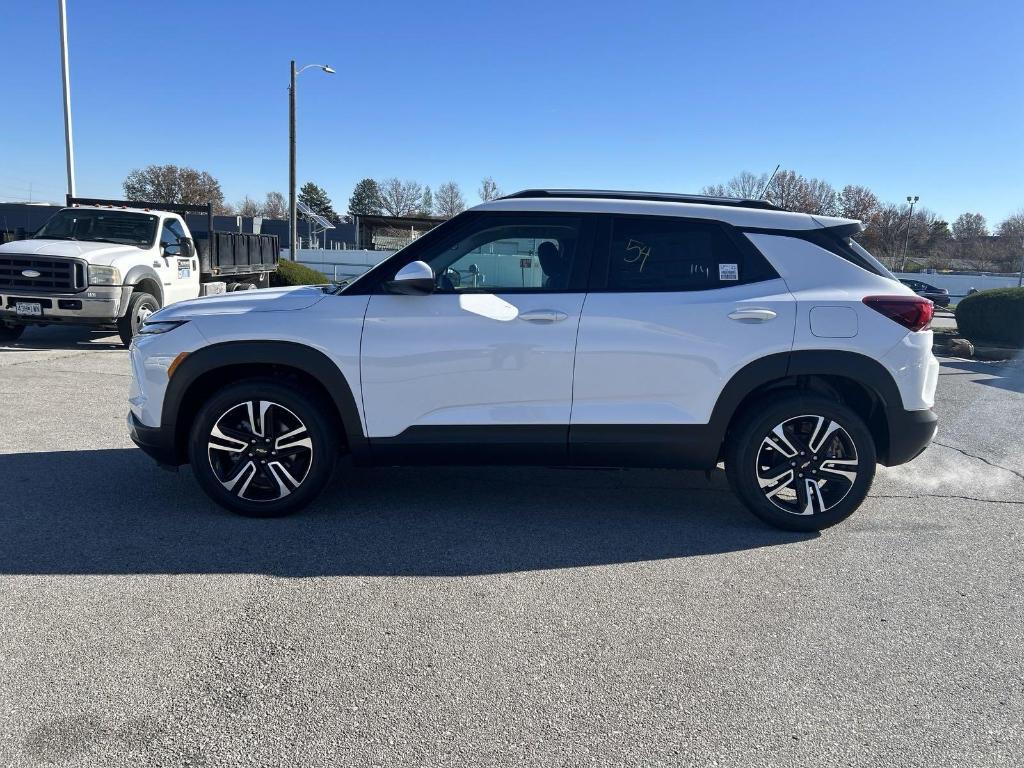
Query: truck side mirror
(171, 250)
(188, 248)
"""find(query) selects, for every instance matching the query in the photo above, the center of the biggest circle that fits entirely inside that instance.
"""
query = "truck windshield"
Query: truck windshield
(101, 226)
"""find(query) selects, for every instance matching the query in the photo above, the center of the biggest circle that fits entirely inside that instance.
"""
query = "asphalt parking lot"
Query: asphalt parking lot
(471, 616)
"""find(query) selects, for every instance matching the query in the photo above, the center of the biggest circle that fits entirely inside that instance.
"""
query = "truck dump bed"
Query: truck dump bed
(237, 253)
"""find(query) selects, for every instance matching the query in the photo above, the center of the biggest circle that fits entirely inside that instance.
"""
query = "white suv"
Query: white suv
(556, 327)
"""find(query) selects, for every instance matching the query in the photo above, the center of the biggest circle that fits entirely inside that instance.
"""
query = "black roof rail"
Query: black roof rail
(205, 208)
(660, 197)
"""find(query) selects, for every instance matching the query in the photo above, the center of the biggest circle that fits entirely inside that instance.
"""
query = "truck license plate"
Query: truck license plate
(29, 308)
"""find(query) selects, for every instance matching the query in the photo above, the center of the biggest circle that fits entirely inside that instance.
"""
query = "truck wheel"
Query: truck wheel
(802, 463)
(263, 449)
(140, 306)
(11, 332)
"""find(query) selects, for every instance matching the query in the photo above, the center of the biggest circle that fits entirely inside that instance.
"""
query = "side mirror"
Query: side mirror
(188, 249)
(170, 251)
(415, 279)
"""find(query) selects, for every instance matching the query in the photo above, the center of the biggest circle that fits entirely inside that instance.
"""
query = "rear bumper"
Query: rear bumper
(158, 443)
(910, 432)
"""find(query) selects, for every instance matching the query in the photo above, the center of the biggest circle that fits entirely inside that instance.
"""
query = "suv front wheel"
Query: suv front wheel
(802, 463)
(263, 449)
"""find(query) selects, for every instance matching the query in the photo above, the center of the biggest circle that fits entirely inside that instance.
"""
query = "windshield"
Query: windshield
(101, 226)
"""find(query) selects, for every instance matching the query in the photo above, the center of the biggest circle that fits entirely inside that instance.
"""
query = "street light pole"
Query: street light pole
(69, 146)
(292, 228)
(906, 242)
(293, 224)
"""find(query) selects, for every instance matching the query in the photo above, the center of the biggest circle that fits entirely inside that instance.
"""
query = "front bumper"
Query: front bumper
(910, 432)
(158, 443)
(96, 305)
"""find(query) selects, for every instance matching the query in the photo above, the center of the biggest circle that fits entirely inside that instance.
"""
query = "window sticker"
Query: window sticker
(728, 271)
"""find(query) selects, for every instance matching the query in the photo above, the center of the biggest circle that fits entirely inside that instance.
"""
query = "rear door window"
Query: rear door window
(648, 253)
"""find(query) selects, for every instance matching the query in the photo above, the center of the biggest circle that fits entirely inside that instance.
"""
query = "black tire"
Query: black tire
(10, 332)
(274, 478)
(140, 306)
(825, 463)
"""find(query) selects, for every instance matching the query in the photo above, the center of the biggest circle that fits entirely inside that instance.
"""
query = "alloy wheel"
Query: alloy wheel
(260, 451)
(807, 465)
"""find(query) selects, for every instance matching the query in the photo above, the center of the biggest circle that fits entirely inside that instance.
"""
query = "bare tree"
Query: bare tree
(489, 189)
(787, 190)
(969, 226)
(249, 207)
(715, 190)
(856, 202)
(448, 201)
(745, 184)
(885, 233)
(970, 231)
(174, 184)
(819, 198)
(275, 207)
(400, 198)
(1012, 225)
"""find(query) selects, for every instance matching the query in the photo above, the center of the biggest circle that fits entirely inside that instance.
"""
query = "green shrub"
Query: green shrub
(293, 273)
(995, 316)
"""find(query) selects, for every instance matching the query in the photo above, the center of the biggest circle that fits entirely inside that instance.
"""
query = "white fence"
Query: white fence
(339, 265)
(959, 285)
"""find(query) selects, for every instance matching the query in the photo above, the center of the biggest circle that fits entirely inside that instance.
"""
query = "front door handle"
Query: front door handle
(752, 315)
(543, 316)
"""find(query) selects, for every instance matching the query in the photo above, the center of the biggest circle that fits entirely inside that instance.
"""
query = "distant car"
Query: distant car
(939, 296)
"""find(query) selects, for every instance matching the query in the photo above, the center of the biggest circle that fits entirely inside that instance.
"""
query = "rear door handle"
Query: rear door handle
(543, 316)
(752, 315)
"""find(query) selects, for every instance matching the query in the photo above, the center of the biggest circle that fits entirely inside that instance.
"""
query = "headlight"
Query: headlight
(161, 326)
(99, 275)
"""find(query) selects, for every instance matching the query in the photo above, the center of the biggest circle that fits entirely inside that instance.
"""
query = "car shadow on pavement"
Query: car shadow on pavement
(114, 512)
(70, 337)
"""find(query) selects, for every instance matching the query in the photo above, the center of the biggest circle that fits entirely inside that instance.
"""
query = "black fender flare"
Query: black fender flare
(269, 353)
(860, 368)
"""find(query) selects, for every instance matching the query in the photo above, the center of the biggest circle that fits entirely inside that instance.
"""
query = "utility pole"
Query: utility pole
(292, 228)
(69, 146)
(906, 242)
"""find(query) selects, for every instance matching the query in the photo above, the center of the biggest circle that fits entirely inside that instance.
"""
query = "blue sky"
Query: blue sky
(911, 97)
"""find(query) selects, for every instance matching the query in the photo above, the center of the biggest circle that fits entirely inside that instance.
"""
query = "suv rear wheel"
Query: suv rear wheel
(262, 449)
(802, 463)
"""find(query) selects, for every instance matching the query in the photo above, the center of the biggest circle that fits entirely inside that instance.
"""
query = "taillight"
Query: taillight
(912, 312)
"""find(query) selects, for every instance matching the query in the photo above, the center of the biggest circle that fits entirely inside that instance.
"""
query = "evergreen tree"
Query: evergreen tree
(316, 198)
(427, 203)
(365, 200)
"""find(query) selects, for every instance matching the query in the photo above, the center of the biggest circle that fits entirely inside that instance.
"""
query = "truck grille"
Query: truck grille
(55, 275)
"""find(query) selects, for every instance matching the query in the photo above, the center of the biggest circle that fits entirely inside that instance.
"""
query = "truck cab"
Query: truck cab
(114, 263)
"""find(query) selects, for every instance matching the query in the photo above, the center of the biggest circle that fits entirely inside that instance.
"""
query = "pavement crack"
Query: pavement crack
(1020, 475)
(953, 497)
